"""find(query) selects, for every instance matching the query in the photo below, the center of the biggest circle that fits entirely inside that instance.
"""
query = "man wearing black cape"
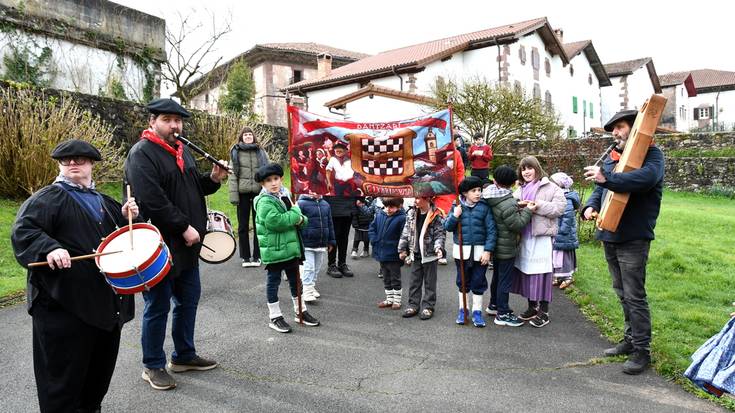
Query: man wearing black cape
(77, 316)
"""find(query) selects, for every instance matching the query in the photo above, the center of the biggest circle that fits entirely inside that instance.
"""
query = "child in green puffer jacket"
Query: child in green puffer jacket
(277, 222)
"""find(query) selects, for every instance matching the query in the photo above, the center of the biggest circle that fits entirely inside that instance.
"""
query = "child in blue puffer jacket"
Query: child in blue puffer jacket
(318, 237)
(566, 242)
(478, 243)
(385, 232)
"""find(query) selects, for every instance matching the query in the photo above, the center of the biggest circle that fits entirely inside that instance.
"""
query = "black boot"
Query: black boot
(345, 270)
(332, 271)
(637, 362)
(621, 349)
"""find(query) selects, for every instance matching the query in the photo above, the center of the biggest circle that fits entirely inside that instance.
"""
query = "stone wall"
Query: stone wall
(691, 159)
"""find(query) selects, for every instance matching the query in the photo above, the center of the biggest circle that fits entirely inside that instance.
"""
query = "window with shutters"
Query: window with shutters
(547, 67)
(704, 113)
(522, 54)
(574, 104)
(591, 111)
(297, 76)
(535, 58)
(536, 91)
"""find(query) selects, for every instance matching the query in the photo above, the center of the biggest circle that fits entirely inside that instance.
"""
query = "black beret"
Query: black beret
(76, 147)
(268, 170)
(167, 106)
(469, 183)
(622, 115)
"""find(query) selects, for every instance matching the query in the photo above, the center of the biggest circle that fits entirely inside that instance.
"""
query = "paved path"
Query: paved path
(362, 358)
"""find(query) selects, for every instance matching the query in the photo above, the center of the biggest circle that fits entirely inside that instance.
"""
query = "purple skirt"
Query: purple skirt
(535, 287)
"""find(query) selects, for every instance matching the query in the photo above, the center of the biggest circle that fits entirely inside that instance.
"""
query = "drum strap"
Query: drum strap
(89, 200)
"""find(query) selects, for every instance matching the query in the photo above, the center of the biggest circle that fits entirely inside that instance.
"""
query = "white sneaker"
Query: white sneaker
(315, 293)
(353, 254)
(245, 264)
(309, 297)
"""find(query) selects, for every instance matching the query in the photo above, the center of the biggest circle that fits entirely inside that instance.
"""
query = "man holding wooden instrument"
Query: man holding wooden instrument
(626, 249)
(77, 317)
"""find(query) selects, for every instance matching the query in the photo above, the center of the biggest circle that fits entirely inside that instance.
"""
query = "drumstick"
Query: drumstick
(130, 221)
(78, 257)
(205, 246)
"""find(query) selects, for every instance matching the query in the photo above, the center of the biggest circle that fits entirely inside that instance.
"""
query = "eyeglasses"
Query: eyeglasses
(78, 160)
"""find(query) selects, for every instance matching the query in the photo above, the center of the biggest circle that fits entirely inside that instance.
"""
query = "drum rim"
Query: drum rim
(145, 264)
(150, 283)
(219, 261)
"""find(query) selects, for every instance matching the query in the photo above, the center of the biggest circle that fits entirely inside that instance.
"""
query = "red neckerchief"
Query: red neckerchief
(615, 155)
(177, 153)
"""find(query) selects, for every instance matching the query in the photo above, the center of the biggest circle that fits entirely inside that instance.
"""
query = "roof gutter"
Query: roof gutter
(393, 69)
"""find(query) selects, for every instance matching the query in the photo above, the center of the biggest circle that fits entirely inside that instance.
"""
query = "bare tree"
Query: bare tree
(190, 48)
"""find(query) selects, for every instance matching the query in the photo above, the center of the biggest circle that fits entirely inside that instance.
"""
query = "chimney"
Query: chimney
(560, 34)
(323, 65)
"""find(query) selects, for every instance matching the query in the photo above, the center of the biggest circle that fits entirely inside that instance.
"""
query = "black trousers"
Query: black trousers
(361, 236)
(73, 361)
(246, 209)
(342, 227)
(480, 173)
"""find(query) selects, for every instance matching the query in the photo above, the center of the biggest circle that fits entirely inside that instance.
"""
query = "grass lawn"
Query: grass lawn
(690, 281)
(13, 276)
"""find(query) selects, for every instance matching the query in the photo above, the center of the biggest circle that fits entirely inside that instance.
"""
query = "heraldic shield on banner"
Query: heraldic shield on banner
(407, 158)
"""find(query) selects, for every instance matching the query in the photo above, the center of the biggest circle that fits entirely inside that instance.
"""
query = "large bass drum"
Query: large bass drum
(219, 243)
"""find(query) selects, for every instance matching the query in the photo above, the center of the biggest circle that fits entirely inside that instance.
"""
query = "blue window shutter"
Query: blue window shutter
(591, 111)
(574, 104)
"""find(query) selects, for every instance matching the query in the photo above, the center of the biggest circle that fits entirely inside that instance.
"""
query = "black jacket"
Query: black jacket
(170, 199)
(51, 219)
(645, 186)
(342, 206)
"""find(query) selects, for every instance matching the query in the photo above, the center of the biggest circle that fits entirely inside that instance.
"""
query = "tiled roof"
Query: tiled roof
(625, 68)
(421, 54)
(571, 49)
(575, 48)
(315, 48)
(217, 75)
(703, 78)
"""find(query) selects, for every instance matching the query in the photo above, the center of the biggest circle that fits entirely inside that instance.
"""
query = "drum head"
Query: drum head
(146, 241)
(217, 247)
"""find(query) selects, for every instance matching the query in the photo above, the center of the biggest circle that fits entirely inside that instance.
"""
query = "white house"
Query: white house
(586, 75)
(699, 99)
(527, 55)
(96, 47)
(274, 66)
(633, 81)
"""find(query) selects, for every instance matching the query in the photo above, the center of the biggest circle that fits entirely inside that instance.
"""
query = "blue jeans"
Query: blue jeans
(274, 281)
(475, 277)
(185, 290)
(502, 281)
(312, 266)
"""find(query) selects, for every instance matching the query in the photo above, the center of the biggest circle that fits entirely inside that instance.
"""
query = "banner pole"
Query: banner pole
(293, 202)
(459, 221)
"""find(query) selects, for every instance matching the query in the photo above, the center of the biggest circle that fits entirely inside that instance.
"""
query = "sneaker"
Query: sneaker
(623, 348)
(332, 271)
(385, 304)
(637, 362)
(309, 319)
(528, 314)
(410, 312)
(159, 379)
(308, 297)
(492, 309)
(442, 261)
(477, 319)
(345, 270)
(380, 274)
(510, 320)
(280, 325)
(460, 316)
(197, 363)
(354, 255)
(365, 253)
(255, 263)
(426, 313)
(566, 283)
(245, 264)
(315, 293)
(540, 320)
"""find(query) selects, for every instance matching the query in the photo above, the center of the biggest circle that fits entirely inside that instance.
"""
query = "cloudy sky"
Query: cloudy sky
(679, 36)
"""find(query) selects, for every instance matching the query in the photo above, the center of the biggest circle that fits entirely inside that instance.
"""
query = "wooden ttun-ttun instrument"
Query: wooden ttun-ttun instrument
(640, 138)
